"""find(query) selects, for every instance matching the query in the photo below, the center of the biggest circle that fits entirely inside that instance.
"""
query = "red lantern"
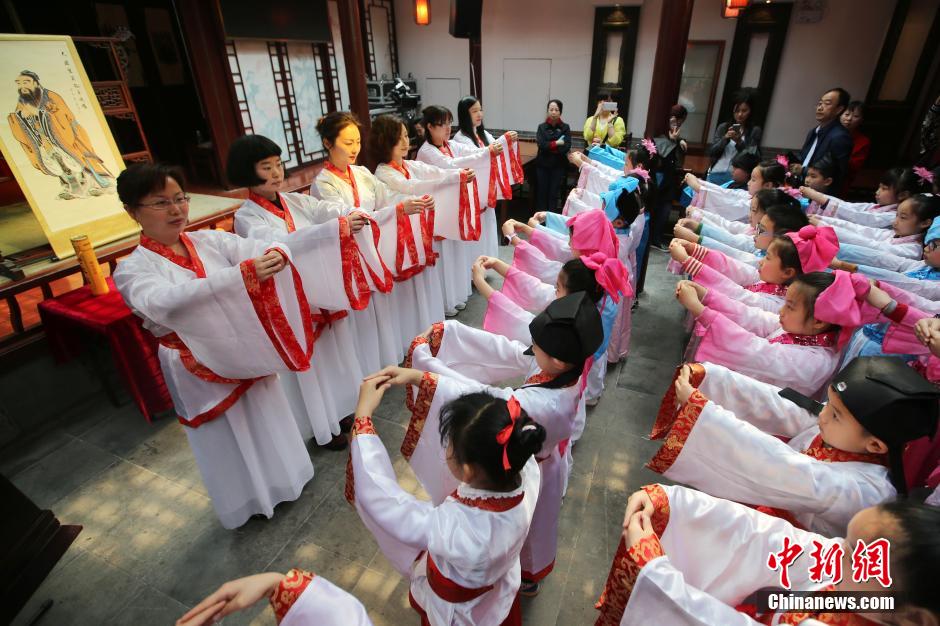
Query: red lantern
(422, 12)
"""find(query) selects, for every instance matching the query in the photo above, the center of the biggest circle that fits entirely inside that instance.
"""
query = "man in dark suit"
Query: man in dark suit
(829, 136)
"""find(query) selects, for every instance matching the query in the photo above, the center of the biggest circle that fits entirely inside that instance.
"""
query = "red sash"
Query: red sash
(448, 590)
(768, 288)
(354, 277)
(468, 220)
(349, 178)
(824, 340)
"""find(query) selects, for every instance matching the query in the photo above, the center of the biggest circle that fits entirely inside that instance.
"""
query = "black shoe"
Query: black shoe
(346, 424)
(338, 443)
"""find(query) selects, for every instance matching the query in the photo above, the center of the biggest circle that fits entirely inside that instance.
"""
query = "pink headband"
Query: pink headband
(610, 274)
(816, 247)
(650, 146)
(593, 232)
(842, 303)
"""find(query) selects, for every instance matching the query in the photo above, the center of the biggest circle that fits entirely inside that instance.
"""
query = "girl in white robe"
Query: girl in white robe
(689, 558)
(354, 186)
(461, 552)
(437, 150)
(725, 439)
(211, 299)
(905, 237)
(472, 134)
(799, 347)
(457, 359)
(325, 394)
(735, 204)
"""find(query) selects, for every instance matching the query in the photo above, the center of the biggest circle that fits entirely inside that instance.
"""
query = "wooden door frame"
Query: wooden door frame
(627, 56)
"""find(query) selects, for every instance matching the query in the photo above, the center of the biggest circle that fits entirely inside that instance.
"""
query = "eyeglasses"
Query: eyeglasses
(165, 204)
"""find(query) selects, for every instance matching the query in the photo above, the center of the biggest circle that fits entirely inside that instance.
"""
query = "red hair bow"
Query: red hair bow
(503, 436)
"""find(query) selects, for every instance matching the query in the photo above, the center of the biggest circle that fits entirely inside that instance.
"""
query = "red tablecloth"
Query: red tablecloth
(134, 349)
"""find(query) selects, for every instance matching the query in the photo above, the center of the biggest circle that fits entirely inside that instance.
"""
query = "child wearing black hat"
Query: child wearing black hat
(725, 439)
(454, 359)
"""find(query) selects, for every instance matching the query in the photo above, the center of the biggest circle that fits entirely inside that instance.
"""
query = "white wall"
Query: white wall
(839, 51)
(560, 31)
(439, 62)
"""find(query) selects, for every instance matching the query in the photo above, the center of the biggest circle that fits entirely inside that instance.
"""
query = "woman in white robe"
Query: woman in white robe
(472, 134)
(389, 144)
(325, 394)
(208, 296)
(437, 150)
(354, 186)
(689, 558)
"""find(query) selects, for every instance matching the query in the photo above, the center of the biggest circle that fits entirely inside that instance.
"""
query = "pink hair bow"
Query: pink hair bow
(650, 145)
(816, 247)
(924, 174)
(642, 173)
(610, 274)
(792, 192)
(842, 303)
(593, 232)
(503, 436)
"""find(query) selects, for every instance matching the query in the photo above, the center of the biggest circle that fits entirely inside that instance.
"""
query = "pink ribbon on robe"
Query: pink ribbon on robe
(816, 246)
(593, 232)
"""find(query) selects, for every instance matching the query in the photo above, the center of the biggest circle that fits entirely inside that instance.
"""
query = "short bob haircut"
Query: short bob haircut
(383, 136)
(142, 179)
(244, 154)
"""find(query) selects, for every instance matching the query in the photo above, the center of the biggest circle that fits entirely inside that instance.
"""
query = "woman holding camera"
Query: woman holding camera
(605, 126)
(733, 137)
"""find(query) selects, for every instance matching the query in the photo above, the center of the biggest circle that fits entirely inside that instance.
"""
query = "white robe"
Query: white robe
(391, 318)
(428, 179)
(880, 239)
(471, 360)
(471, 546)
(731, 204)
(457, 283)
(251, 456)
(321, 603)
(734, 452)
(328, 391)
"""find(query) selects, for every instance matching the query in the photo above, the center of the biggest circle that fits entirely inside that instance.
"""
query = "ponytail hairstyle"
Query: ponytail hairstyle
(904, 182)
(811, 285)
(330, 125)
(787, 218)
(767, 198)
(434, 115)
(772, 172)
(926, 206)
(466, 124)
(470, 425)
(575, 276)
(629, 204)
(915, 553)
(641, 157)
(787, 253)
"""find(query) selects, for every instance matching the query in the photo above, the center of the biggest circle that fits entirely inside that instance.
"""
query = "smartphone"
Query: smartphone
(736, 128)
(804, 402)
(610, 106)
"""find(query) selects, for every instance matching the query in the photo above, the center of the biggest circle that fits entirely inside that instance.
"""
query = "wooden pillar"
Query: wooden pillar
(350, 31)
(667, 68)
(201, 24)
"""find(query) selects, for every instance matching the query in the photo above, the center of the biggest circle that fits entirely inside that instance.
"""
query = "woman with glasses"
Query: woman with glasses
(227, 319)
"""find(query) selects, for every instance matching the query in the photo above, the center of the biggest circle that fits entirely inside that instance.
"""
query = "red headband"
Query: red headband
(503, 436)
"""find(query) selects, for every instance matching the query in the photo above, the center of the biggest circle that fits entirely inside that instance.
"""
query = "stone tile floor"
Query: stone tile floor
(151, 545)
